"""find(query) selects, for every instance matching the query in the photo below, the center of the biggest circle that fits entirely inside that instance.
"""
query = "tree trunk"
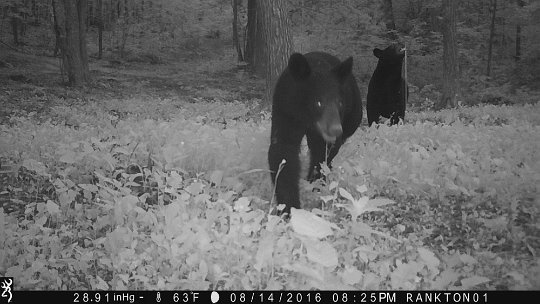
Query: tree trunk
(15, 29)
(15, 21)
(99, 14)
(81, 41)
(140, 12)
(71, 16)
(90, 13)
(399, 12)
(254, 44)
(35, 13)
(124, 26)
(518, 34)
(57, 35)
(236, 40)
(388, 16)
(450, 64)
(491, 36)
(277, 40)
(23, 20)
(504, 42)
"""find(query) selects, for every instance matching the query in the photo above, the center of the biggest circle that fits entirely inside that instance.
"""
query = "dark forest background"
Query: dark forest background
(497, 40)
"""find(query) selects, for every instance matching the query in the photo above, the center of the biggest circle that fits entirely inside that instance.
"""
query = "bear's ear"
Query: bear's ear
(377, 52)
(299, 66)
(343, 69)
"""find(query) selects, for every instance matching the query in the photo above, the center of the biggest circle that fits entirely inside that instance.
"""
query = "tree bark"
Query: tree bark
(399, 13)
(518, 34)
(450, 64)
(35, 13)
(57, 35)
(71, 16)
(82, 7)
(15, 21)
(388, 16)
(253, 53)
(90, 13)
(23, 20)
(236, 40)
(99, 14)
(491, 36)
(276, 38)
(15, 29)
(125, 26)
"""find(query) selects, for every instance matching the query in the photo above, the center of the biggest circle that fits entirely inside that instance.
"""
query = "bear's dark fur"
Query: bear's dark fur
(316, 96)
(387, 88)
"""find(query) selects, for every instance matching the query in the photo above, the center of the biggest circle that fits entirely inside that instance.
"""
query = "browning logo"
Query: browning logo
(6, 289)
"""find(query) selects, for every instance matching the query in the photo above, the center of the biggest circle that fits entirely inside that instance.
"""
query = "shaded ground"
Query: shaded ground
(30, 83)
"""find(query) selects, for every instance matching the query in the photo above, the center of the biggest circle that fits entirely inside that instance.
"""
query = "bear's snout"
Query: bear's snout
(330, 132)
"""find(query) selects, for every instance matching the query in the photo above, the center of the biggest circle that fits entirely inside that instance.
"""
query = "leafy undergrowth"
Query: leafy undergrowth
(93, 200)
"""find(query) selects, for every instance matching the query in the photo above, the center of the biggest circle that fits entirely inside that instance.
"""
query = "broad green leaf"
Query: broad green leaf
(195, 188)
(216, 177)
(69, 157)
(264, 253)
(405, 275)
(101, 284)
(467, 259)
(346, 194)
(175, 180)
(429, 258)
(321, 252)
(52, 207)
(351, 275)
(469, 283)
(309, 224)
(361, 189)
(445, 279)
(307, 270)
(89, 187)
(242, 204)
(34, 165)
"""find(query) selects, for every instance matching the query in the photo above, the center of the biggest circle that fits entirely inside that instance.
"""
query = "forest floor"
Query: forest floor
(33, 84)
(155, 177)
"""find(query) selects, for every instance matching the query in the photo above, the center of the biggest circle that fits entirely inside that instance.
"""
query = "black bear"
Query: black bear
(387, 88)
(316, 96)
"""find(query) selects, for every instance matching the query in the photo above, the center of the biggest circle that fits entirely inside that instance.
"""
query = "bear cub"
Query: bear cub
(315, 96)
(387, 88)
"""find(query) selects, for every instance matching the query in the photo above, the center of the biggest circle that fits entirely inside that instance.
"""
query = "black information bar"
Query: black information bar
(242, 297)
